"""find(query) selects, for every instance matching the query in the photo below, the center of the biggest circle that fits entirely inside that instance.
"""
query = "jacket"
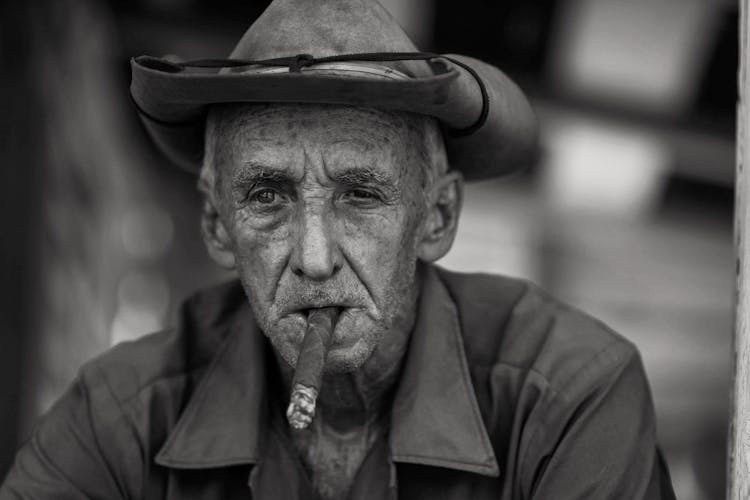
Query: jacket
(505, 394)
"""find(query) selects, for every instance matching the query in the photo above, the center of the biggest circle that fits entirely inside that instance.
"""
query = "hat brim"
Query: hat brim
(173, 107)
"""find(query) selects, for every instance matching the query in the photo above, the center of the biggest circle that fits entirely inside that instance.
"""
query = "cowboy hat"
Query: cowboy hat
(349, 52)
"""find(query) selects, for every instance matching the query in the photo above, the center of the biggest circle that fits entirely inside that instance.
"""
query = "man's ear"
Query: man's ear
(444, 206)
(215, 236)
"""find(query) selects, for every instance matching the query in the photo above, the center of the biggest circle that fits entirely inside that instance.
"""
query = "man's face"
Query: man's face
(323, 206)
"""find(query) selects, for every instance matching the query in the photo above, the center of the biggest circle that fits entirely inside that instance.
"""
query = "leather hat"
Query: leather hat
(348, 52)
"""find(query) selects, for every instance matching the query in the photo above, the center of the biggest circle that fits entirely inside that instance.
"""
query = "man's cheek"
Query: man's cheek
(355, 337)
(375, 239)
(379, 254)
(286, 337)
(262, 257)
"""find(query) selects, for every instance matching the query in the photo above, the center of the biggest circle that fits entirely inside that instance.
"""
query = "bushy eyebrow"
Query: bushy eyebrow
(256, 173)
(363, 176)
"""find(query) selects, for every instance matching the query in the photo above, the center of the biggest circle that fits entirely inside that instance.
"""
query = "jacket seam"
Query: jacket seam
(528, 286)
(131, 424)
(557, 395)
(613, 346)
(128, 401)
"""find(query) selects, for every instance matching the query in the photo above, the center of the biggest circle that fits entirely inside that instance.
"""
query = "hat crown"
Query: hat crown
(325, 28)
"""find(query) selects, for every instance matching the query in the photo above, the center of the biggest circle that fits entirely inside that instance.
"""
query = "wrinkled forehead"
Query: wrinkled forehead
(285, 133)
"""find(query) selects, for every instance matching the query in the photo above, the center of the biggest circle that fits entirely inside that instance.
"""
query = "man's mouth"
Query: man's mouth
(340, 338)
(306, 311)
(307, 308)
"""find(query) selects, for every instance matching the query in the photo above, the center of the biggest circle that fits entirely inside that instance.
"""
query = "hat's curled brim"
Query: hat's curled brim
(173, 105)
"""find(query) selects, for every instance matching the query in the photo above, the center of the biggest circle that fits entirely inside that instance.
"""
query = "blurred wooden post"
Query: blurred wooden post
(739, 440)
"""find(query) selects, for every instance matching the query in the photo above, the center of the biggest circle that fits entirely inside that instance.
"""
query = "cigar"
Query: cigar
(308, 373)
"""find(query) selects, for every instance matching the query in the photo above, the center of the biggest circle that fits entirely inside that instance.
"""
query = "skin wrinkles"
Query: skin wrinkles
(260, 157)
(360, 224)
(330, 205)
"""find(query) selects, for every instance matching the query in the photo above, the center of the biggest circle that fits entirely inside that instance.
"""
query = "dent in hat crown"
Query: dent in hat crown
(324, 28)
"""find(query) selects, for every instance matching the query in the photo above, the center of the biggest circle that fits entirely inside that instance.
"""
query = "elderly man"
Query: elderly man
(331, 185)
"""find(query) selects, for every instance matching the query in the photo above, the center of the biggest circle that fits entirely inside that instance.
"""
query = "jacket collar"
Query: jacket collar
(435, 417)
(221, 424)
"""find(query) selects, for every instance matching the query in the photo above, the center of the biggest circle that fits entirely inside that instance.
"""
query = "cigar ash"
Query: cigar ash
(301, 408)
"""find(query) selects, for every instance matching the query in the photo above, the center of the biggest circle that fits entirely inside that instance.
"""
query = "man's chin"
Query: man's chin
(349, 358)
(341, 358)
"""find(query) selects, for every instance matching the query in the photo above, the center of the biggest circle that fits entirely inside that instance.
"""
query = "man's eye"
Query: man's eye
(264, 196)
(361, 195)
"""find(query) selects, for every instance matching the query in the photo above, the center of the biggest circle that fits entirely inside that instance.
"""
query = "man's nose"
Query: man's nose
(316, 254)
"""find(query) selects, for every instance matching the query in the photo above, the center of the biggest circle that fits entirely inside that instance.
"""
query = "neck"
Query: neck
(350, 401)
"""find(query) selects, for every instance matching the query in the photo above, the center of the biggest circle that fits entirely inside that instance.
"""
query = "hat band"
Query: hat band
(348, 69)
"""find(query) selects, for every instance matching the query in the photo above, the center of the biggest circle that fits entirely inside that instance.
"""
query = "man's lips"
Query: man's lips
(304, 308)
(309, 309)
(342, 338)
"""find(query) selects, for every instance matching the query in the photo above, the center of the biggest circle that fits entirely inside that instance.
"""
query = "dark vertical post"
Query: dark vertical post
(19, 182)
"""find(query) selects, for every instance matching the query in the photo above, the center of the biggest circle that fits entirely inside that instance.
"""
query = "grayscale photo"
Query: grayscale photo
(375, 249)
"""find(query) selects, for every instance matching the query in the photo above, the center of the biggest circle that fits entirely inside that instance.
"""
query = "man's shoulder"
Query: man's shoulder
(166, 360)
(512, 325)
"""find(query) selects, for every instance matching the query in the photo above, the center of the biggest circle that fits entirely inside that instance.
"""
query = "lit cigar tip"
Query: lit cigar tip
(301, 408)
(297, 421)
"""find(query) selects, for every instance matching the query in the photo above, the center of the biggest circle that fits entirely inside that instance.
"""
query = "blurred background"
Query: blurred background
(627, 215)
